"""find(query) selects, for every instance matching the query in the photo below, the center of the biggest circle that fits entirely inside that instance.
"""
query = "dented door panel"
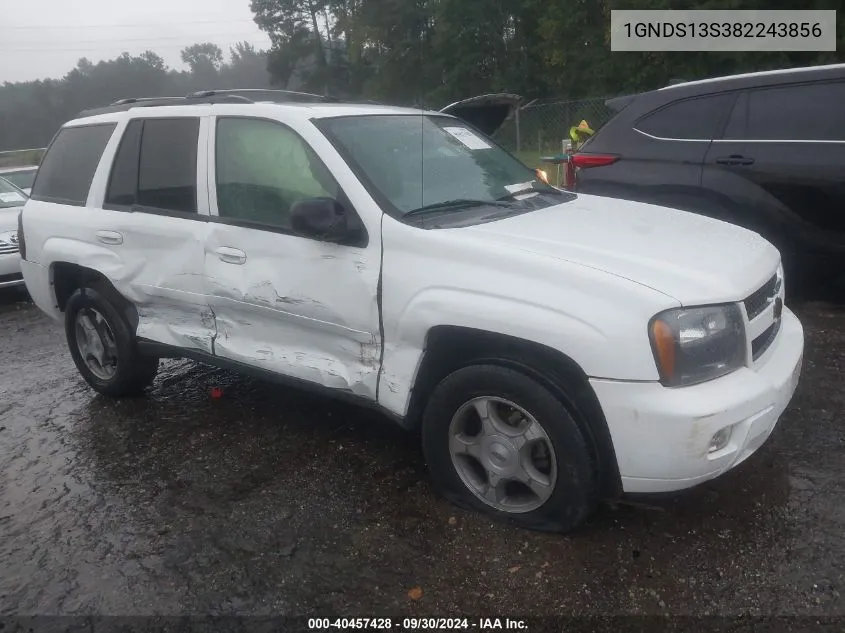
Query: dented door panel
(162, 261)
(162, 250)
(297, 307)
(292, 305)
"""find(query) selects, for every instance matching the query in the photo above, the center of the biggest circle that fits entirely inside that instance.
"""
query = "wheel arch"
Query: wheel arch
(449, 348)
(67, 277)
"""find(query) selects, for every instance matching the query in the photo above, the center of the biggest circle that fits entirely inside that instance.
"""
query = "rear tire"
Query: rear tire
(528, 464)
(103, 347)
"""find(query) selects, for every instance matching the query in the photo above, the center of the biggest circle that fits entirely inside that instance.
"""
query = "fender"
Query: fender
(586, 344)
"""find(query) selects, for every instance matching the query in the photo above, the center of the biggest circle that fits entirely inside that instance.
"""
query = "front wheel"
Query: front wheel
(499, 442)
(103, 348)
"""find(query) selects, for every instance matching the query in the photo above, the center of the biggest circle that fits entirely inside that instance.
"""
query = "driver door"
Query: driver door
(292, 305)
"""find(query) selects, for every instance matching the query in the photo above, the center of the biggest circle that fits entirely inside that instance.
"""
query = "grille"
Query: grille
(6, 249)
(759, 300)
(11, 277)
(760, 344)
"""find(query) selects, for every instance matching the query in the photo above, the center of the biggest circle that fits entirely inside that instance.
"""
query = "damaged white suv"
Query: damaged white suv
(551, 348)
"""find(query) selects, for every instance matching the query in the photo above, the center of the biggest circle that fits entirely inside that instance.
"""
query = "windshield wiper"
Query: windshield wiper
(460, 203)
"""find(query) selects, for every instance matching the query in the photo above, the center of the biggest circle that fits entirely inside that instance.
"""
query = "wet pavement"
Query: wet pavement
(267, 501)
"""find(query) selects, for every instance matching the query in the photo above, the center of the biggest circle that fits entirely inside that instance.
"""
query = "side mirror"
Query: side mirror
(319, 218)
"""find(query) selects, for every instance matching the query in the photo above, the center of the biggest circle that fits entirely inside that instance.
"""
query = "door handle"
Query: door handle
(231, 255)
(735, 160)
(109, 237)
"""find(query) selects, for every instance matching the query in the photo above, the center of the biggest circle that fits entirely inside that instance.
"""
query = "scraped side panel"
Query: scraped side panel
(297, 307)
(161, 273)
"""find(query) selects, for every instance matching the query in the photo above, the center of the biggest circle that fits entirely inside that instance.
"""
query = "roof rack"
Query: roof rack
(264, 94)
(209, 97)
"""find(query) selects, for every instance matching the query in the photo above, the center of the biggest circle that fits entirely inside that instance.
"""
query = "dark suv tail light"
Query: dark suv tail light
(586, 161)
(21, 241)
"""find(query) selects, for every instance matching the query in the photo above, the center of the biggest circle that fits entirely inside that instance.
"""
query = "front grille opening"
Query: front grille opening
(763, 342)
(757, 302)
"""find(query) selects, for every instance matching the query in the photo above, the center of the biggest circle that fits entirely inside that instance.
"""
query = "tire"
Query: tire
(126, 372)
(574, 492)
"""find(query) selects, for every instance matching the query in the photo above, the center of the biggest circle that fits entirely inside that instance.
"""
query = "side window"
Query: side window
(810, 112)
(263, 168)
(736, 127)
(692, 119)
(68, 168)
(156, 166)
(123, 182)
(167, 176)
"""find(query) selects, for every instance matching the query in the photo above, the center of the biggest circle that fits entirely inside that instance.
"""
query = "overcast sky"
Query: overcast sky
(45, 38)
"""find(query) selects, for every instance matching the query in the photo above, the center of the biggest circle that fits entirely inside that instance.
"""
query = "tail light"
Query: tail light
(21, 241)
(586, 161)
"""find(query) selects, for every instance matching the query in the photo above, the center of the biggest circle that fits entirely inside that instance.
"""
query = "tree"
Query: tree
(31, 112)
(203, 57)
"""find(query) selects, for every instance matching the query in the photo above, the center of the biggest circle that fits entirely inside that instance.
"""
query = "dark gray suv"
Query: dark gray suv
(763, 150)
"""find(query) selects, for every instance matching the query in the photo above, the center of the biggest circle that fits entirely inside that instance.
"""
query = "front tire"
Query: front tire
(498, 442)
(103, 347)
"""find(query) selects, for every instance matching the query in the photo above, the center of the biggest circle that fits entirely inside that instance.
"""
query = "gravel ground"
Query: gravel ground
(267, 501)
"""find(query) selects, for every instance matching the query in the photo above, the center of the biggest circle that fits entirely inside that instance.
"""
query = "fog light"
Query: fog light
(720, 439)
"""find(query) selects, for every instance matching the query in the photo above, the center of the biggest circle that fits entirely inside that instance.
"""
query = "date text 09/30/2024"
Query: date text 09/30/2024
(418, 624)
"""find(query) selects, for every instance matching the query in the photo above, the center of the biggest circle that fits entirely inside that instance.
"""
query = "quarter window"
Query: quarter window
(701, 118)
(68, 168)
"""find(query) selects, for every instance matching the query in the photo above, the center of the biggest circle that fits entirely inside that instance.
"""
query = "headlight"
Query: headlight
(693, 345)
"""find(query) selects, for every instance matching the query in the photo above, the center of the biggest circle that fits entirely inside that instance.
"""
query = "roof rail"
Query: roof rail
(249, 95)
(142, 100)
(122, 105)
(264, 94)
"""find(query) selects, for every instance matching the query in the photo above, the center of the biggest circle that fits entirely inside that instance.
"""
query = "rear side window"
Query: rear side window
(123, 183)
(68, 167)
(156, 166)
(701, 118)
(811, 112)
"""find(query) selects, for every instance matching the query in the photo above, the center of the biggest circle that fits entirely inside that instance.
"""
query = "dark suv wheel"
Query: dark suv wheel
(103, 347)
(499, 442)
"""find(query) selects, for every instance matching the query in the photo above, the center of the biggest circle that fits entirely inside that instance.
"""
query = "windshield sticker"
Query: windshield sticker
(12, 196)
(465, 136)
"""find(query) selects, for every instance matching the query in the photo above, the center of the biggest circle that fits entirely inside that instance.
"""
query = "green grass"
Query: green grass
(530, 159)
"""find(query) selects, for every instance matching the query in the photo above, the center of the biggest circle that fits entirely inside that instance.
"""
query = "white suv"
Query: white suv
(551, 348)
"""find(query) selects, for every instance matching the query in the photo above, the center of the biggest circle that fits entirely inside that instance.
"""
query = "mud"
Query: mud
(266, 501)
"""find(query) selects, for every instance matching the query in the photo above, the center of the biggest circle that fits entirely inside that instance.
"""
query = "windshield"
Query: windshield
(421, 162)
(21, 179)
(10, 196)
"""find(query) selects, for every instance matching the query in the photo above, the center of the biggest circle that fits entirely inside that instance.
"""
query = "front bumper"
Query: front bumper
(662, 436)
(10, 270)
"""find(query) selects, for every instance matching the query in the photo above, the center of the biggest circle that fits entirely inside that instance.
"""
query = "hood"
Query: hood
(691, 258)
(486, 113)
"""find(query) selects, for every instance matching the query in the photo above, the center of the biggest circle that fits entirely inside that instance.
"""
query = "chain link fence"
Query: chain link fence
(541, 128)
(21, 157)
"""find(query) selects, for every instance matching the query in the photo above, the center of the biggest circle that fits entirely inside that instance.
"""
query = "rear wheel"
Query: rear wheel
(103, 348)
(499, 442)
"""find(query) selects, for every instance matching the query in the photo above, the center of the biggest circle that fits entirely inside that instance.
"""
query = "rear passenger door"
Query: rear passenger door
(155, 220)
(781, 163)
